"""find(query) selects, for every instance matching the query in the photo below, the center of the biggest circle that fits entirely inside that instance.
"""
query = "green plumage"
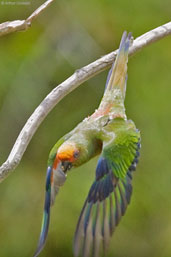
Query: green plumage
(107, 133)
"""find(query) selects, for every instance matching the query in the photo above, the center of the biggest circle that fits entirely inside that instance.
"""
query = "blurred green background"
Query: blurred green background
(67, 36)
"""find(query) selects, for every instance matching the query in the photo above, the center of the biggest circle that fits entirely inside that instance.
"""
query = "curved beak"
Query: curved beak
(66, 166)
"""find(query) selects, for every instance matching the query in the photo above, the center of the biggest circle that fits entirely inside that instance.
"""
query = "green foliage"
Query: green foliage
(68, 35)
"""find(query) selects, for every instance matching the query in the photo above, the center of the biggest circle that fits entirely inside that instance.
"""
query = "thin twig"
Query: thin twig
(65, 88)
(20, 25)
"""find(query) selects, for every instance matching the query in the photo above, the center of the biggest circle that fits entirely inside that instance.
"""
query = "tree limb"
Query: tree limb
(65, 88)
(19, 25)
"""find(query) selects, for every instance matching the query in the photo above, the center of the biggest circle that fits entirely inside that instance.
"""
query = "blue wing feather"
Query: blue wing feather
(110, 193)
(46, 213)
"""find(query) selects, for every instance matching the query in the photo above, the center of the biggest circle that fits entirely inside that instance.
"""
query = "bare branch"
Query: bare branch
(65, 88)
(19, 25)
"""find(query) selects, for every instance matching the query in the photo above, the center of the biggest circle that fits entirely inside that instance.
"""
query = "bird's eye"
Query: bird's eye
(76, 154)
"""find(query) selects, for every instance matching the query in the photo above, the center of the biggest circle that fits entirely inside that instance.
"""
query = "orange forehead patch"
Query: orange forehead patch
(66, 152)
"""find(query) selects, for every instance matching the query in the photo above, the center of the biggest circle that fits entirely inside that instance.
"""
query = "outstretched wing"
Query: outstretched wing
(109, 195)
(46, 213)
(55, 178)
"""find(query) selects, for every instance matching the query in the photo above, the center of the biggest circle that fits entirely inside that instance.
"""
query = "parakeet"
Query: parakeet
(107, 133)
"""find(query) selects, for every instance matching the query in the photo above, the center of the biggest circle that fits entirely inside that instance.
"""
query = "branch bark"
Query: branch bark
(65, 88)
(21, 25)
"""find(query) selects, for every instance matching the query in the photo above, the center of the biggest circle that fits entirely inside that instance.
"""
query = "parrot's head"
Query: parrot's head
(68, 154)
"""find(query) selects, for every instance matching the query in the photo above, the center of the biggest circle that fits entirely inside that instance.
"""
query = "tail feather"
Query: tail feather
(118, 74)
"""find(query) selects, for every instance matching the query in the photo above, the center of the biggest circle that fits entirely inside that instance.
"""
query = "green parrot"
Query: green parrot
(107, 133)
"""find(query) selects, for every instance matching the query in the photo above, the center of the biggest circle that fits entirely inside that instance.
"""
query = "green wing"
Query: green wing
(54, 180)
(121, 151)
(110, 193)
